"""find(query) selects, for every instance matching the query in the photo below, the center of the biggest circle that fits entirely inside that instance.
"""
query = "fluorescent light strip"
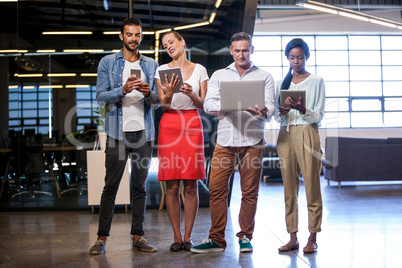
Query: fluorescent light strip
(61, 75)
(45, 51)
(149, 51)
(28, 87)
(212, 17)
(82, 50)
(13, 87)
(67, 33)
(383, 23)
(323, 9)
(28, 75)
(353, 16)
(89, 74)
(8, 1)
(51, 86)
(13, 51)
(218, 3)
(118, 32)
(77, 86)
(191, 25)
(350, 14)
(163, 31)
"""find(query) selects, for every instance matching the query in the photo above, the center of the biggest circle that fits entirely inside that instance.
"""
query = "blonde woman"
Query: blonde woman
(181, 141)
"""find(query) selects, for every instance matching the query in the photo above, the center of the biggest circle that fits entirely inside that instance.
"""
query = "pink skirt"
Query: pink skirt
(181, 146)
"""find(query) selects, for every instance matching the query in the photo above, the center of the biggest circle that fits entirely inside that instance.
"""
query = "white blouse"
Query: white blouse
(179, 100)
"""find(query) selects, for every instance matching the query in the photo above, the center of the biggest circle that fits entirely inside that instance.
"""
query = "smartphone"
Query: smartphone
(136, 73)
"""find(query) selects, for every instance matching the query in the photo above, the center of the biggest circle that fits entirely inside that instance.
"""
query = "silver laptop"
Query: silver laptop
(240, 95)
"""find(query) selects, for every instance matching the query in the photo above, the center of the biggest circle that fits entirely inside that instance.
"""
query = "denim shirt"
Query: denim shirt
(109, 93)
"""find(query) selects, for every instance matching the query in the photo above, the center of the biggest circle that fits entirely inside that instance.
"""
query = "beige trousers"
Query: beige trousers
(299, 151)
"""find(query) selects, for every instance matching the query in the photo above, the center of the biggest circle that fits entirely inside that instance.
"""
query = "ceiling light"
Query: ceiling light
(148, 51)
(45, 51)
(218, 3)
(28, 75)
(349, 13)
(191, 25)
(322, 9)
(89, 74)
(82, 50)
(61, 75)
(28, 87)
(353, 16)
(383, 23)
(5, 1)
(163, 31)
(118, 32)
(67, 33)
(13, 51)
(212, 17)
(77, 86)
(13, 87)
(51, 86)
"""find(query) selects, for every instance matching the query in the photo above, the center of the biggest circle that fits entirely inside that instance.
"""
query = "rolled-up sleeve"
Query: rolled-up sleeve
(270, 96)
(212, 102)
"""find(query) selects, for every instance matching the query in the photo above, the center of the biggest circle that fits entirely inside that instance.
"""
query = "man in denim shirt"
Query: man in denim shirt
(129, 100)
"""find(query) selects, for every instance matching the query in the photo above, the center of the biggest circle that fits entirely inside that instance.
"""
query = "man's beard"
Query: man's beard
(127, 45)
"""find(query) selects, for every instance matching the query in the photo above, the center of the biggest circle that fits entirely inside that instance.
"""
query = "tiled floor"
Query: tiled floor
(361, 228)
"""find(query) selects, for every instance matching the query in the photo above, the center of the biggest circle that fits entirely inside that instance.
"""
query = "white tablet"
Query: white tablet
(294, 94)
(240, 95)
(170, 72)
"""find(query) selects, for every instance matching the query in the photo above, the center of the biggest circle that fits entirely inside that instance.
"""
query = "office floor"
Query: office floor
(361, 228)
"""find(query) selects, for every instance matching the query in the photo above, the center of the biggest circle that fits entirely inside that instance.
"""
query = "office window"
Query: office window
(86, 107)
(29, 108)
(362, 75)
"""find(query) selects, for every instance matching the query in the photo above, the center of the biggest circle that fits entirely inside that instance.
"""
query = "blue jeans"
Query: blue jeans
(134, 145)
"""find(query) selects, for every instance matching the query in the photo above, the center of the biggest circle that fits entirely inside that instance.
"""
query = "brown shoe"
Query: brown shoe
(287, 248)
(307, 250)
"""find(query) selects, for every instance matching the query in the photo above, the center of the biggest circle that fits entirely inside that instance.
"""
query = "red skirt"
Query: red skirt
(181, 146)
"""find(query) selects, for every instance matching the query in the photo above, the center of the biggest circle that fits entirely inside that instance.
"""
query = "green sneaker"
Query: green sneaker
(207, 245)
(245, 245)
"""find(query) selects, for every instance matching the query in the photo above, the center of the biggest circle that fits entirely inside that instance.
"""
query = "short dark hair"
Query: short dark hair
(130, 21)
(240, 36)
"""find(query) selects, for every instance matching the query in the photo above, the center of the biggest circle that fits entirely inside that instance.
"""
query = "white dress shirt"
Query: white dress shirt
(239, 128)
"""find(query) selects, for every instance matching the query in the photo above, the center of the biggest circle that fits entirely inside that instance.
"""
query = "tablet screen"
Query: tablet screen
(170, 72)
(294, 94)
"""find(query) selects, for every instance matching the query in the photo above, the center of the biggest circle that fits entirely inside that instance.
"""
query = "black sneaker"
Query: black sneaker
(98, 248)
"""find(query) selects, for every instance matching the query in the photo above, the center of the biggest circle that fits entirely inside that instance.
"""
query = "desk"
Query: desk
(96, 180)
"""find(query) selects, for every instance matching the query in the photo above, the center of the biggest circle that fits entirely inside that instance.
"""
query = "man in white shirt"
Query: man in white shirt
(240, 142)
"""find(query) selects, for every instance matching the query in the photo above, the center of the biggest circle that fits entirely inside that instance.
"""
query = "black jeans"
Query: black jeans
(117, 151)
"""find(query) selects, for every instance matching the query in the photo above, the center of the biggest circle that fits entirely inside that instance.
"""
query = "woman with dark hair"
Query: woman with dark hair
(181, 140)
(299, 143)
